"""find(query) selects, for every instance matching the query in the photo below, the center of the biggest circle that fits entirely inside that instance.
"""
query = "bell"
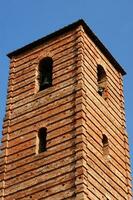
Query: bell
(100, 90)
(45, 82)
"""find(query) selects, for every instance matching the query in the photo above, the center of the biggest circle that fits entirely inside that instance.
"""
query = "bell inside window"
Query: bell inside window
(102, 81)
(45, 73)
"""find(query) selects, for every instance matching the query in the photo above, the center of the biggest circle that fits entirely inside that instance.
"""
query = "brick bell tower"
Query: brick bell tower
(64, 134)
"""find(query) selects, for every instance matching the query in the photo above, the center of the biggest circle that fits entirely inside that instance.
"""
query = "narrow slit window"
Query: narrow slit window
(45, 73)
(42, 140)
(102, 81)
(105, 145)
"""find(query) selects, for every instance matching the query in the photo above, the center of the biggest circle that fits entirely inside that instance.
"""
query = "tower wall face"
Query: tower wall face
(74, 166)
(51, 174)
(106, 176)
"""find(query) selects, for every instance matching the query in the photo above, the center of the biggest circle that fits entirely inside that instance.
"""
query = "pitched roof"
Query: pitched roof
(74, 25)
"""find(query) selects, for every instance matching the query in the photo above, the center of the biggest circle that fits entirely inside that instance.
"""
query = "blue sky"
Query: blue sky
(22, 22)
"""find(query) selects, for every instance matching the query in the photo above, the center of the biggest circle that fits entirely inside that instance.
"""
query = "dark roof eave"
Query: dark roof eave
(89, 32)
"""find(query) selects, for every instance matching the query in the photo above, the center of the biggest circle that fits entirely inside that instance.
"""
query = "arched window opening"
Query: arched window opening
(102, 81)
(105, 145)
(45, 73)
(42, 142)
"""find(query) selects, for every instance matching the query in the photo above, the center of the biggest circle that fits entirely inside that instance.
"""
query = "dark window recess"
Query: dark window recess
(42, 136)
(105, 145)
(102, 81)
(45, 73)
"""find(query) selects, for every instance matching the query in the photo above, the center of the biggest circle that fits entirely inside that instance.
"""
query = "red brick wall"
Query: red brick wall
(105, 177)
(73, 167)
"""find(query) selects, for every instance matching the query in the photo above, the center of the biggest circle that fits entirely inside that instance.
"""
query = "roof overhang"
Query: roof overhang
(70, 27)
